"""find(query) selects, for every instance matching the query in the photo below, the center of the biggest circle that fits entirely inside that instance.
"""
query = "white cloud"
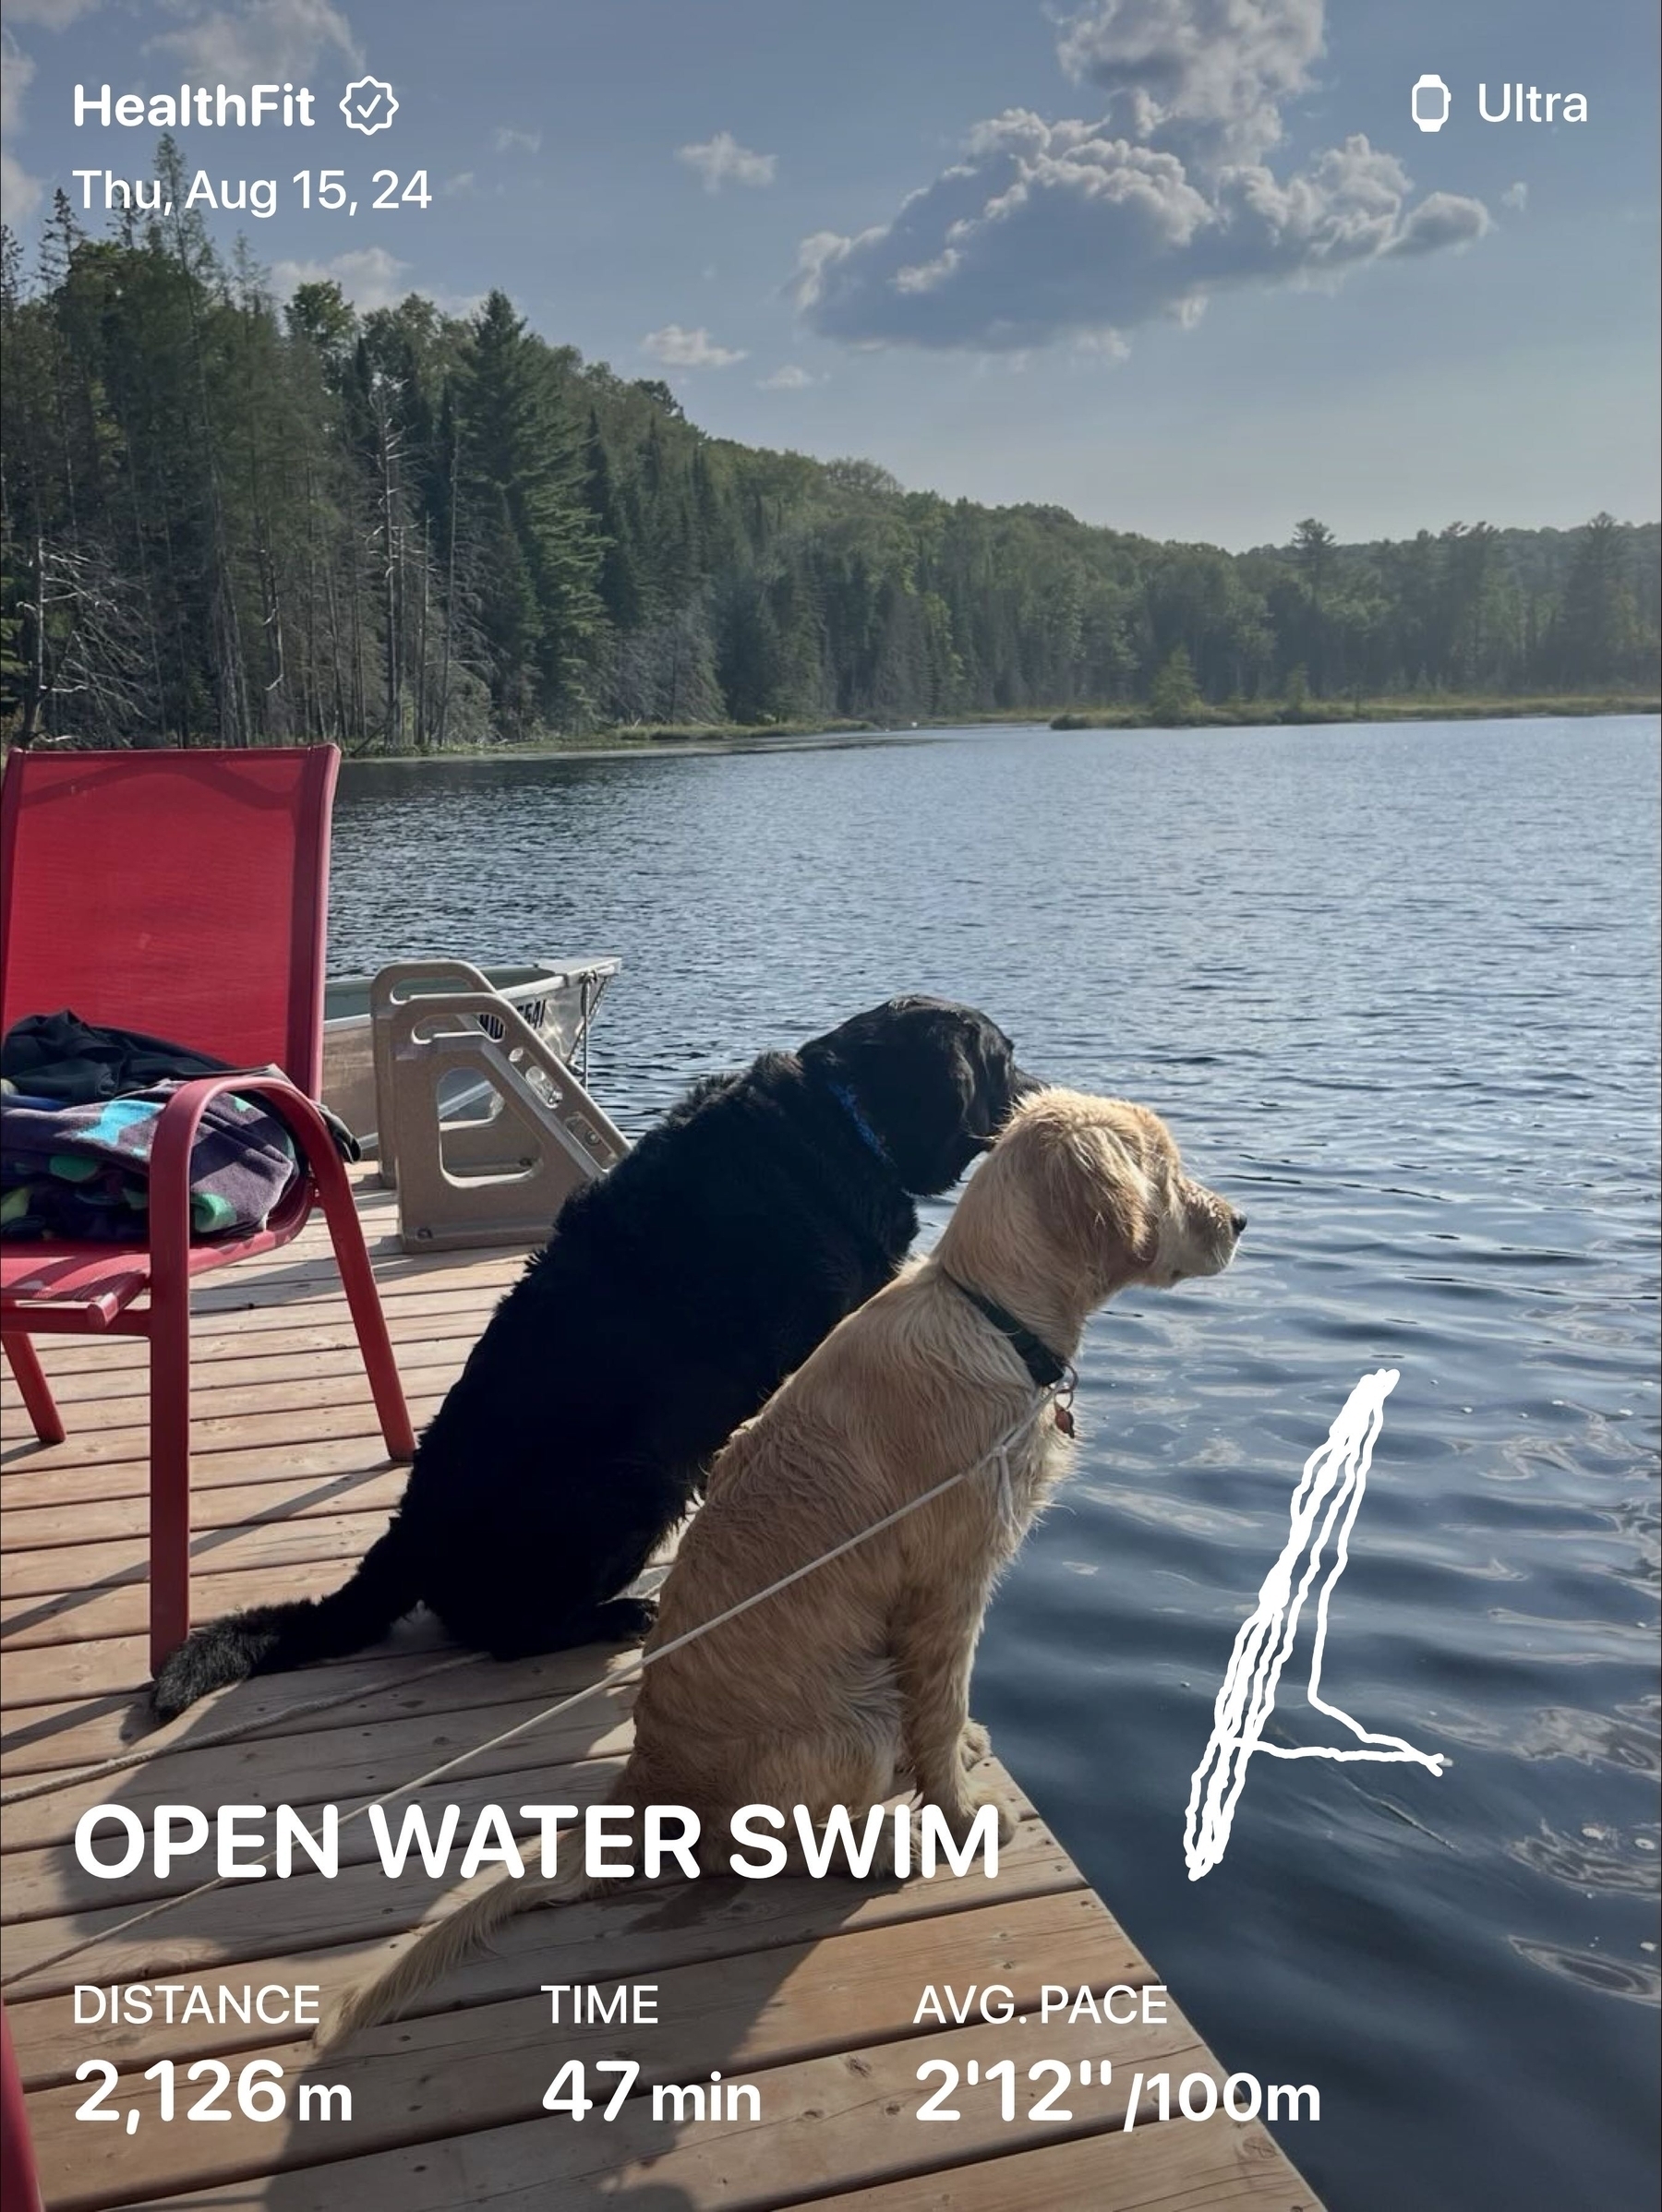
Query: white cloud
(1046, 230)
(17, 74)
(722, 161)
(1515, 196)
(506, 139)
(370, 277)
(267, 42)
(1108, 347)
(52, 14)
(790, 378)
(20, 192)
(677, 348)
(1441, 219)
(462, 182)
(1213, 72)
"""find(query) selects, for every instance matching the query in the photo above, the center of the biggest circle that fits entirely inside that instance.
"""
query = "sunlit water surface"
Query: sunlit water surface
(1395, 988)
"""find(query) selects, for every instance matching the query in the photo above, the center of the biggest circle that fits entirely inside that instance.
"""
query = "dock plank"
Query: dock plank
(119, 1667)
(250, 1330)
(104, 1520)
(333, 1765)
(90, 1616)
(40, 1487)
(276, 1540)
(44, 1737)
(276, 1428)
(223, 1365)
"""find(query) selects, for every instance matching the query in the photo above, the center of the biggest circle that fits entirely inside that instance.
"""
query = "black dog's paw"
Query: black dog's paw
(624, 1620)
(218, 1653)
(189, 1673)
(621, 1621)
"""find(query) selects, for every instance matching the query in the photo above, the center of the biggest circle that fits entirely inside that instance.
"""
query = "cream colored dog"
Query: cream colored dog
(854, 1682)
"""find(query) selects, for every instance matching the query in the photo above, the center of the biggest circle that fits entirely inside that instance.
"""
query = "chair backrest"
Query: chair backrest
(182, 894)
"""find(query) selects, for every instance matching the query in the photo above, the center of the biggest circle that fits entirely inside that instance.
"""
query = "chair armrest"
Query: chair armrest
(171, 1150)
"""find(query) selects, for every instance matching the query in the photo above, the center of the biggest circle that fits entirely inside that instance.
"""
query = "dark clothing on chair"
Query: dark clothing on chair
(73, 1063)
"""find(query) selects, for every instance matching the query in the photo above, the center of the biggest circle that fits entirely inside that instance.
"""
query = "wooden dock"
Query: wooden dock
(808, 1991)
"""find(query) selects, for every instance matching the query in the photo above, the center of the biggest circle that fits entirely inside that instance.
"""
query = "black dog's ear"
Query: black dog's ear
(934, 1080)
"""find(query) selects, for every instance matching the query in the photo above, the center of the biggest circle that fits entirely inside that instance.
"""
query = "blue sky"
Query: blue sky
(1183, 266)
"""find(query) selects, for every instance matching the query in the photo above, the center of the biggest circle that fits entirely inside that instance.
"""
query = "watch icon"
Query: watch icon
(1430, 102)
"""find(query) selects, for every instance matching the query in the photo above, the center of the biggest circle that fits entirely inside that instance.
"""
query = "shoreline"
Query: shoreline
(696, 740)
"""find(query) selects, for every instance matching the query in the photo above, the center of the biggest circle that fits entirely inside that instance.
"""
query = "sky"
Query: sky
(1185, 267)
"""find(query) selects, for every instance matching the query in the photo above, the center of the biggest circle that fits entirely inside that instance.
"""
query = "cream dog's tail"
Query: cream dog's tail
(446, 1944)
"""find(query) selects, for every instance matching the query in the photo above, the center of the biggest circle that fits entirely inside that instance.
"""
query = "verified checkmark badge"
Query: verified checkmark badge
(369, 105)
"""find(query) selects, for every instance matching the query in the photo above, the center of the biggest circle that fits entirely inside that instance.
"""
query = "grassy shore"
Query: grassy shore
(1244, 714)
(1250, 714)
(717, 733)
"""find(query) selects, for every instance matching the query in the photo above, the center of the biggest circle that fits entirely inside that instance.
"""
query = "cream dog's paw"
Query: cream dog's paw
(1006, 1823)
(883, 1867)
(974, 1745)
(962, 1818)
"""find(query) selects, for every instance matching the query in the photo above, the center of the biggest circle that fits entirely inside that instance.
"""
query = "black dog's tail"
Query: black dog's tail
(268, 1639)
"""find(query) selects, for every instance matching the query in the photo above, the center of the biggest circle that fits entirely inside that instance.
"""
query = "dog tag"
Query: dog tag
(1064, 1420)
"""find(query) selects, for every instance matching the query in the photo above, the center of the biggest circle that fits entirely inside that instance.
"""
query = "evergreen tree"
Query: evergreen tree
(1173, 696)
(1596, 630)
(522, 470)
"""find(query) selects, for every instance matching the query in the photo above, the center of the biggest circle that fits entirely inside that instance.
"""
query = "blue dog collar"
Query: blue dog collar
(844, 1095)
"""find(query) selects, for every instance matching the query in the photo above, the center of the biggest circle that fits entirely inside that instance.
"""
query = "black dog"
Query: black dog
(675, 1295)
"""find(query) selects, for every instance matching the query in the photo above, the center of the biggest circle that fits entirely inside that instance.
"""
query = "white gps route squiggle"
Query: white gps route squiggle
(1325, 1504)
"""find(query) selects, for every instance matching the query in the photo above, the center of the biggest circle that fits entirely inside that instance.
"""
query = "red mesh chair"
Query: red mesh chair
(183, 895)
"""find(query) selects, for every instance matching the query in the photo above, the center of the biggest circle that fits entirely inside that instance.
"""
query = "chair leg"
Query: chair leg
(363, 1300)
(169, 1472)
(22, 2190)
(24, 1362)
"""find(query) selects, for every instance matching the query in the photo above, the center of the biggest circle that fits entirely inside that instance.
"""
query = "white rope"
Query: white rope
(999, 1455)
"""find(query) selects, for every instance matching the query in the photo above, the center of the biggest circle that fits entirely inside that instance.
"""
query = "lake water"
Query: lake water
(1396, 991)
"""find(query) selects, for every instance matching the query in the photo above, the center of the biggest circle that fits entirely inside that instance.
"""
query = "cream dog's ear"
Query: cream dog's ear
(1093, 1189)
(1126, 1198)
